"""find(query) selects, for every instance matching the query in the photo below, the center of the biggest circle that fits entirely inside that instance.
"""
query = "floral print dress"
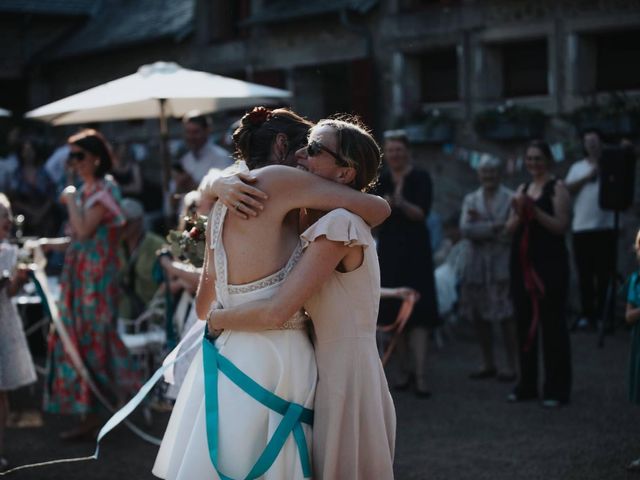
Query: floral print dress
(88, 310)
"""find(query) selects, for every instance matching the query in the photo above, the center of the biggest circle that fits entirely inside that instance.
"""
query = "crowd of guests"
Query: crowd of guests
(513, 270)
(512, 267)
(73, 203)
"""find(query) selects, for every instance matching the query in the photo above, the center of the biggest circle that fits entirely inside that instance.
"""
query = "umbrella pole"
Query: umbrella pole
(166, 164)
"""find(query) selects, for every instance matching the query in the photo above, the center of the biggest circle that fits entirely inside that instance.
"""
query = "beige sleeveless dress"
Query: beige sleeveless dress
(355, 421)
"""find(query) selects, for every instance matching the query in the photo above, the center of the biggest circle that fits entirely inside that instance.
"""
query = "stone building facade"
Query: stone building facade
(393, 62)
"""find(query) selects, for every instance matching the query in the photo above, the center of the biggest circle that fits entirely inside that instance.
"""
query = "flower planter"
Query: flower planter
(623, 124)
(510, 123)
(505, 129)
(441, 132)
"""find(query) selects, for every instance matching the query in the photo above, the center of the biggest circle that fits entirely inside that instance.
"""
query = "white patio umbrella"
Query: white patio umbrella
(158, 90)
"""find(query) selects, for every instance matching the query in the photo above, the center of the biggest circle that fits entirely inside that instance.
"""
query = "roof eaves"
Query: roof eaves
(63, 9)
(273, 15)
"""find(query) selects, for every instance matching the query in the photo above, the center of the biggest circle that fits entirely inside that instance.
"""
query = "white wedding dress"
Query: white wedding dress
(282, 361)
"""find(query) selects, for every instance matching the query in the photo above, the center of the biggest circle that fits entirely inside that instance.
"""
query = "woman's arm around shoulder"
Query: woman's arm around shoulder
(302, 189)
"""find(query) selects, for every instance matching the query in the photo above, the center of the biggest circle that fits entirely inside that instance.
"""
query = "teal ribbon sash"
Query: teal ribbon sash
(294, 414)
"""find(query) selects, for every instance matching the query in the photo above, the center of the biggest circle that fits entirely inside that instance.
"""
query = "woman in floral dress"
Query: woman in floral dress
(88, 303)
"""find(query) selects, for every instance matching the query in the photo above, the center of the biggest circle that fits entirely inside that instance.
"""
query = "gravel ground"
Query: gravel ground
(466, 430)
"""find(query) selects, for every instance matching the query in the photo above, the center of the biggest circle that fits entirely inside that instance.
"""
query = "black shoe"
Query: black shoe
(404, 385)
(506, 377)
(424, 394)
(483, 374)
(518, 395)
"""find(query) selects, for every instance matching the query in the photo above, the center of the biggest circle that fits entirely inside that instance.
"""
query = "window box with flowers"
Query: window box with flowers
(510, 122)
(435, 127)
(617, 117)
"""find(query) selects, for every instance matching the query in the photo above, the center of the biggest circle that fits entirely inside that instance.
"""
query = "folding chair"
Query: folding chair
(389, 335)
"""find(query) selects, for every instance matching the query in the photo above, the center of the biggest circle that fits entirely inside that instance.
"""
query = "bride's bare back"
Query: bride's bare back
(262, 245)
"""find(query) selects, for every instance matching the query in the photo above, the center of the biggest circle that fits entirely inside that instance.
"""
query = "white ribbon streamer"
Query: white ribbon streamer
(117, 418)
(197, 329)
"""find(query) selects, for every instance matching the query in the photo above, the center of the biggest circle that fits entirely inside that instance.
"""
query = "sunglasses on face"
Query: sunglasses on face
(76, 156)
(314, 148)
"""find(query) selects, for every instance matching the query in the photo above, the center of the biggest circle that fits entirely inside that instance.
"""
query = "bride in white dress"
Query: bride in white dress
(214, 420)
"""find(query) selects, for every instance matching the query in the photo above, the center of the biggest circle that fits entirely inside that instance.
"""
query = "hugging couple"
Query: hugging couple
(285, 247)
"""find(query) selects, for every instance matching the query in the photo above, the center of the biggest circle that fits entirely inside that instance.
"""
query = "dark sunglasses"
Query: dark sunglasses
(76, 156)
(314, 148)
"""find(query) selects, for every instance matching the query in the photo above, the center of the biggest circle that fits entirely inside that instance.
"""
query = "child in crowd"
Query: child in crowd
(632, 316)
(17, 368)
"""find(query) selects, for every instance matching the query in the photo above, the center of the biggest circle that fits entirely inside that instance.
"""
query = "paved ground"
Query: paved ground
(465, 431)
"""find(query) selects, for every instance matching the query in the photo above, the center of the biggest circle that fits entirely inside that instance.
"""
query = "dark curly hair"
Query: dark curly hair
(258, 128)
(94, 142)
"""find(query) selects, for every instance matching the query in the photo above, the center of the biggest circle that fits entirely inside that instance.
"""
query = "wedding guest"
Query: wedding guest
(32, 191)
(405, 254)
(137, 252)
(484, 293)
(89, 293)
(203, 154)
(126, 172)
(17, 368)
(9, 163)
(632, 315)
(592, 229)
(539, 270)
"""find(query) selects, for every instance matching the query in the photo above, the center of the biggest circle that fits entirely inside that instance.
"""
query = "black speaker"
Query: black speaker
(617, 178)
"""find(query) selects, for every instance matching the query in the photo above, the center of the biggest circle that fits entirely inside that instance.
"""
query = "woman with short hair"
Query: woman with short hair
(484, 290)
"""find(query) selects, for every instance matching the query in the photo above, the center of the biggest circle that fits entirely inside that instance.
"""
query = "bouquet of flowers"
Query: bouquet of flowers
(189, 244)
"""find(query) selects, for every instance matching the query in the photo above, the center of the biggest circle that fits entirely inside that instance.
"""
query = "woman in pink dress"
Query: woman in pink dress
(337, 280)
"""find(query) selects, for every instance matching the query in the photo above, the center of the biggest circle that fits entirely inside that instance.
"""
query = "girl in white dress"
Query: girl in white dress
(215, 421)
(16, 365)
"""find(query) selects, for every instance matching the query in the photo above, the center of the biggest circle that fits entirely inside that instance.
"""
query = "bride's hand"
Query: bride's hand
(239, 196)
(213, 331)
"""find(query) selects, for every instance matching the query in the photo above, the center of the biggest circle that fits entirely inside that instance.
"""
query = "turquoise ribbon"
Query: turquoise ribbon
(293, 414)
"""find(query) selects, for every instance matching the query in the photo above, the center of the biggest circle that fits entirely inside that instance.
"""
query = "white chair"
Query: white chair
(145, 339)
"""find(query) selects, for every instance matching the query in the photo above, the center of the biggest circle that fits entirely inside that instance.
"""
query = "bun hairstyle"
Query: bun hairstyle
(257, 132)
(357, 147)
(94, 142)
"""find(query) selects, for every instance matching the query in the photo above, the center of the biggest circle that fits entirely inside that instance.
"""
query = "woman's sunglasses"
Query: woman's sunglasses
(314, 148)
(76, 156)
